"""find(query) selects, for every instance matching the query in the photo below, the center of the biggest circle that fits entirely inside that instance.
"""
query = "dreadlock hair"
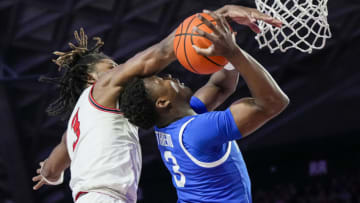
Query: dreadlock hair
(137, 105)
(75, 66)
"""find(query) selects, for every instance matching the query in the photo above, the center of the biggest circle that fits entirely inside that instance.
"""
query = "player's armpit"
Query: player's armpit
(249, 116)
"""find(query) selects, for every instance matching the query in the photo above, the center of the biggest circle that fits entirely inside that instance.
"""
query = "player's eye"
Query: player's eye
(167, 77)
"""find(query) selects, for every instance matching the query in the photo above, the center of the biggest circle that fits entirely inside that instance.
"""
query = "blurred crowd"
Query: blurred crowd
(326, 189)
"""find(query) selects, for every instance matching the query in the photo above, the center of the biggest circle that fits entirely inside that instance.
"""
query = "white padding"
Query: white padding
(229, 66)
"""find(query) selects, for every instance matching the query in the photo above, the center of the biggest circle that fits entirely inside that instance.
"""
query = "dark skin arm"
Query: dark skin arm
(246, 16)
(148, 62)
(55, 164)
(267, 100)
(223, 83)
(220, 86)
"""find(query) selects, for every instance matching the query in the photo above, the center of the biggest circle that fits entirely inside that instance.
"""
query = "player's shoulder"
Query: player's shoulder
(207, 121)
(176, 125)
(209, 115)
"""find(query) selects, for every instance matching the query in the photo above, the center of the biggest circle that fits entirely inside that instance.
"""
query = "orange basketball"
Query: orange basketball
(186, 54)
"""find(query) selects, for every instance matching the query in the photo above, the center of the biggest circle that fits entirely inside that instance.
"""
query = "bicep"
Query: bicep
(148, 62)
(134, 67)
(248, 116)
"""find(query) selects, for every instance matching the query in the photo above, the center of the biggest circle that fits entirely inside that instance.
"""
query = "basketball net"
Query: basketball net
(305, 25)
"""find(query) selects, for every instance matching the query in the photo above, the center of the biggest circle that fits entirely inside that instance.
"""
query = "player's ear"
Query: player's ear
(92, 77)
(162, 102)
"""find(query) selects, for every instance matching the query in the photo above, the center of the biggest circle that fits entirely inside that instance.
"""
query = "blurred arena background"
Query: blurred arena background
(310, 153)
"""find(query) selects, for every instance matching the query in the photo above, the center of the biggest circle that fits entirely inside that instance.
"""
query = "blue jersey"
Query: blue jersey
(204, 160)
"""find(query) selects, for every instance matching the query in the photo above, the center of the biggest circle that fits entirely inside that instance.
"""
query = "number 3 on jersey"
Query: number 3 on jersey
(180, 183)
(75, 125)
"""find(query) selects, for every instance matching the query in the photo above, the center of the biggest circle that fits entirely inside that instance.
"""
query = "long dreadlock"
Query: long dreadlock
(75, 66)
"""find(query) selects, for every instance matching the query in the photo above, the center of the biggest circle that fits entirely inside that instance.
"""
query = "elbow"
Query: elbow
(277, 105)
(282, 102)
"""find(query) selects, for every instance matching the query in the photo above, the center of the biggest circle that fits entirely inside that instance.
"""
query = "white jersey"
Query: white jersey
(104, 150)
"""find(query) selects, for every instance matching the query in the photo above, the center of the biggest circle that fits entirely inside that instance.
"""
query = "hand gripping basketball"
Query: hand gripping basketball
(222, 38)
(202, 42)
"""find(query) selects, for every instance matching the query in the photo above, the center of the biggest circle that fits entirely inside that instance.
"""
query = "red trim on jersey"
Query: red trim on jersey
(101, 107)
(79, 194)
(82, 193)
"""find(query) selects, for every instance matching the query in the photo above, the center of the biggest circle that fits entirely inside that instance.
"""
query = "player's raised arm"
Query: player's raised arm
(268, 99)
(51, 170)
(148, 62)
(223, 83)
(246, 16)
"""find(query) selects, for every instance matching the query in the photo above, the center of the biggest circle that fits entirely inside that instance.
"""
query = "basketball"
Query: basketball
(186, 54)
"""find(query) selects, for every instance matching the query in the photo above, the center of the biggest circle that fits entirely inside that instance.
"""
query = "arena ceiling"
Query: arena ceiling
(324, 87)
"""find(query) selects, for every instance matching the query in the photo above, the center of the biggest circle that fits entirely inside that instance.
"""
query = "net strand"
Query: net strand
(305, 25)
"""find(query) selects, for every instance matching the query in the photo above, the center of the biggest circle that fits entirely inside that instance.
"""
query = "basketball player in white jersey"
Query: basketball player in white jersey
(100, 145)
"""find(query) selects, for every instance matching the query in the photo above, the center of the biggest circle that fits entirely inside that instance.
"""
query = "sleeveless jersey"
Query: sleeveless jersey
(205, 162)
(104, 150)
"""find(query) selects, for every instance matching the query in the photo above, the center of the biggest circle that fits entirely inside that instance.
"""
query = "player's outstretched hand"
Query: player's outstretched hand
(247, 16)
(39, 179)
(222, 38)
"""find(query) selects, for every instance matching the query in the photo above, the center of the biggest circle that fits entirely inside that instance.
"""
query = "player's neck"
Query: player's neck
(174, 115)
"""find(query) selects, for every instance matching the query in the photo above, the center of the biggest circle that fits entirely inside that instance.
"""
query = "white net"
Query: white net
(305, 25)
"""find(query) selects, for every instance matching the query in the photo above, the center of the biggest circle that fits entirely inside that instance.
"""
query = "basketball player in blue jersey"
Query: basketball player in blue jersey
(197, 144)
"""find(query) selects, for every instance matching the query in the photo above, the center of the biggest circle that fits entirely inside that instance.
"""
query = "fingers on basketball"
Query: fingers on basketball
(189, 56)
(220, 20)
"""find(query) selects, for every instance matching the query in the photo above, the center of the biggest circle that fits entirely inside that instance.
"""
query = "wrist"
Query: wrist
(233, 54)
(51, 178)
(47, 173)
(54, 181)
(223, 10)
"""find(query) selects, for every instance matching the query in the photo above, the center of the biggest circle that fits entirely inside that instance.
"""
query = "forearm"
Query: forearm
(225, 80)
(57, 162)
(225, 83)
(157, 57)
(263, 88)
(219, 87)
(146, 63)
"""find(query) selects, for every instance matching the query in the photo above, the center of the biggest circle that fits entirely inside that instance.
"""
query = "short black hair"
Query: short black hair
(137, 104)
